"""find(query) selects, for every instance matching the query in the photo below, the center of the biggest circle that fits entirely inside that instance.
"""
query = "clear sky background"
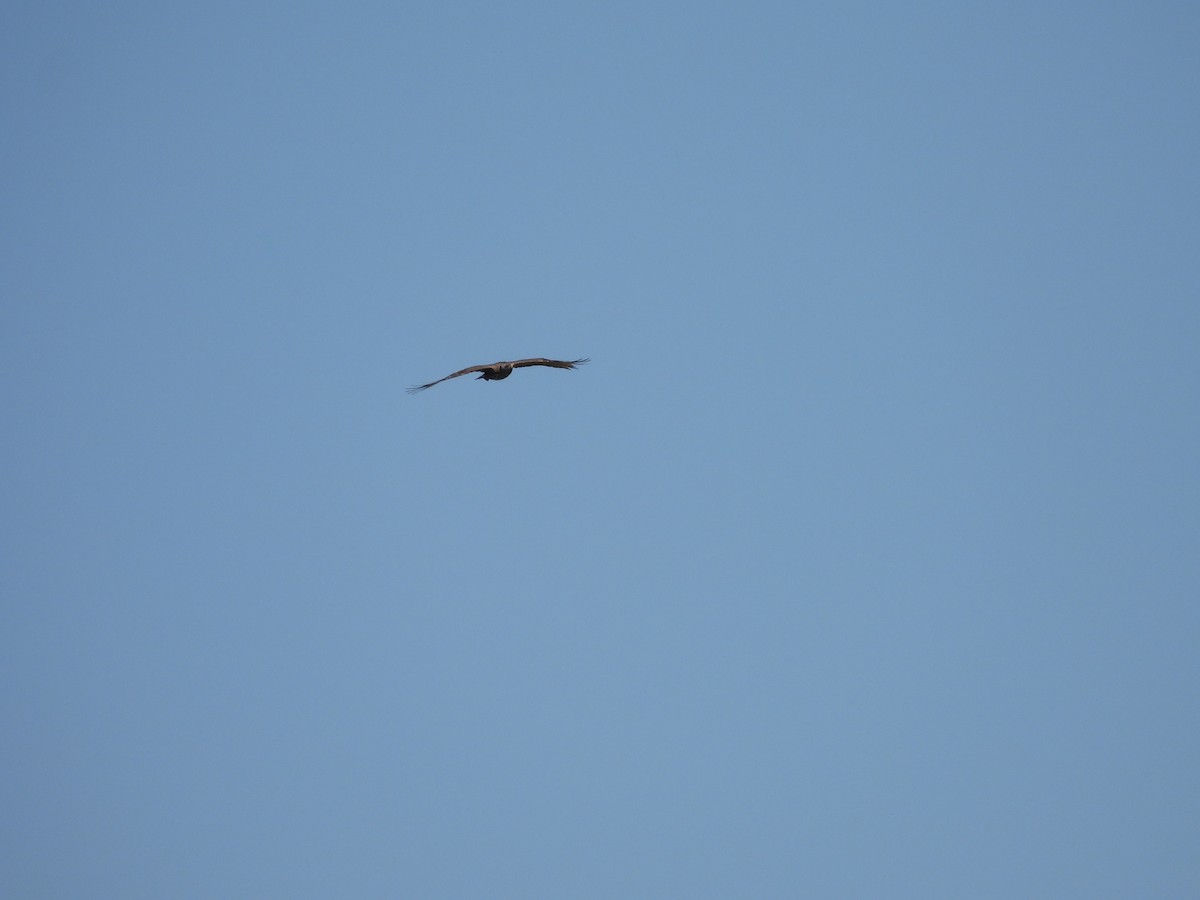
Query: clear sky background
(862, 561)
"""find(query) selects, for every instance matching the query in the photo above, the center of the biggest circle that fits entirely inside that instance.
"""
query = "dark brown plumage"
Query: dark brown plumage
(499, 370)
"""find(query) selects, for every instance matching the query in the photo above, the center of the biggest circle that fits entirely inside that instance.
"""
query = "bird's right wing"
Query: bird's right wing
(468, 371)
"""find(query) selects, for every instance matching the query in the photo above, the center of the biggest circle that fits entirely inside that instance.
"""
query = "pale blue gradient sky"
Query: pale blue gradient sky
(861, 562)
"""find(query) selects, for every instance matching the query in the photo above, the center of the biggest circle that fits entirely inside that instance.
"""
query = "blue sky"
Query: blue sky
(862, 561)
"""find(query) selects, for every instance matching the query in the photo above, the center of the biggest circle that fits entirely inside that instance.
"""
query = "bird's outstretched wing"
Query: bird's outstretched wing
(555, 363)
(468, 371)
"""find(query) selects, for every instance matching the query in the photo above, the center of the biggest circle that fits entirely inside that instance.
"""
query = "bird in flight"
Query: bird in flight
(499, 370)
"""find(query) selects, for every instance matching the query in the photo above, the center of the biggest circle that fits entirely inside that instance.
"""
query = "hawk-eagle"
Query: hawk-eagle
(497, 371)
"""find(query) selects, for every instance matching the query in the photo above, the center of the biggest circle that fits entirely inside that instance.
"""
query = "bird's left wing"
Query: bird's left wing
(555, 363)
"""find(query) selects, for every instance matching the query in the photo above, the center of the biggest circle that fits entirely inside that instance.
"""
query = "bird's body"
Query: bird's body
(496, 371)
(500, 370)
